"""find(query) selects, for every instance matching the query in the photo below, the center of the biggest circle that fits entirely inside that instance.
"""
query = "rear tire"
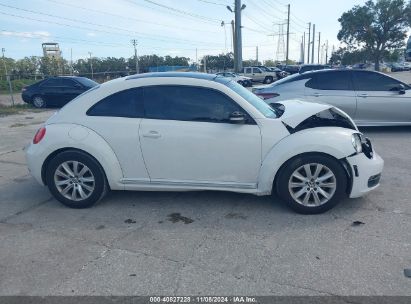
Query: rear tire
(76, 179)
(312, 184)
(38, 102)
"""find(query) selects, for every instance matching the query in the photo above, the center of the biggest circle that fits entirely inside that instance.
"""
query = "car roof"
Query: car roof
(204, 76)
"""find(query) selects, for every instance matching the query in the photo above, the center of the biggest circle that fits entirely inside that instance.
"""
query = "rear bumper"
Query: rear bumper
(35, 159)
(366, 173)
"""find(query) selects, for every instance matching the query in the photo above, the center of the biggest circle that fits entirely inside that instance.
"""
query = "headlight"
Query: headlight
(357, 142)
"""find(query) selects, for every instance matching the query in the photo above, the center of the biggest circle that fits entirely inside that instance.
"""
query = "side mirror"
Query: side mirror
(237, 118)
(401, 89)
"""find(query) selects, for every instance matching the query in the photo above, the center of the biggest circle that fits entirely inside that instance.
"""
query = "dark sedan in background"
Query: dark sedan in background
(56, 91)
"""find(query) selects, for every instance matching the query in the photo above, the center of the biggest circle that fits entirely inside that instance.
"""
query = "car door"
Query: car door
(248, 72)
(334, 88)
(70, 90)
(186, 139)
(257, 74)
(117, 119)
(51, 90)
(379, 99)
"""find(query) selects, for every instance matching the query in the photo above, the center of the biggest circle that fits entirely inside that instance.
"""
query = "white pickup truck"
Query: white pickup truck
(259, 75)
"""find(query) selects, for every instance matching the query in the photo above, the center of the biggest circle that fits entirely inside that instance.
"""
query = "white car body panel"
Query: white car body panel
(164, 155)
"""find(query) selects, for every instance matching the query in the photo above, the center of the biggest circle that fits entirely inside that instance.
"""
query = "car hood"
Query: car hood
(296, 111)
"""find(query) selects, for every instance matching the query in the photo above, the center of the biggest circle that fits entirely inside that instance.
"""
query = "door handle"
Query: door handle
(362, 95)
(152, 134)
(317, 95)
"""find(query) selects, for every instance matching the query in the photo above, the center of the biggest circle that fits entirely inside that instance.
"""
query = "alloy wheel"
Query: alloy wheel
(312, 185)
(38, 102)
(74, 180)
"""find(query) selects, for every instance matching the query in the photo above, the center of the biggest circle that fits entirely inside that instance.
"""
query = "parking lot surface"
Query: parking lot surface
(201, 243)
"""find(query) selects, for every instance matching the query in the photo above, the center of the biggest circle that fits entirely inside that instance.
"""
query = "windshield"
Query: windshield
(87, 82)
(259, 104)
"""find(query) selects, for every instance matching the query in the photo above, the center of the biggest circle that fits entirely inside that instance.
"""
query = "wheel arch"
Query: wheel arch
(333, 142)
(344, 164)
(71, 137)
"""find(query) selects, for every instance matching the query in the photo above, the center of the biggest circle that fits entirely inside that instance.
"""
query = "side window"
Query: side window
(69, 83)
(257, 71)
(128, 103)
(248, 70)
(368, 81)
(52, 82)
(331, 81)
(187, 103)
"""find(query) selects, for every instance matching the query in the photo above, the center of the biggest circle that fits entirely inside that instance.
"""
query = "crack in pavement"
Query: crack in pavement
(12, 162)
(4, 220)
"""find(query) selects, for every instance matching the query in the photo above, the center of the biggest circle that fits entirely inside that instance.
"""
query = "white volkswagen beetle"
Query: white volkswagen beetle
(193, 131)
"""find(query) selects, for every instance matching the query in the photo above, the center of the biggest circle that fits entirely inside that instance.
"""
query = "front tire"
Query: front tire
(312, 184)
(38, 102)
(268, 80)
(76, 179)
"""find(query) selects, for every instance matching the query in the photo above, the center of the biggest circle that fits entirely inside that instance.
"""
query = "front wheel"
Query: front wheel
(268, 80)
(38, 102)
(76, 179)
(312, 184)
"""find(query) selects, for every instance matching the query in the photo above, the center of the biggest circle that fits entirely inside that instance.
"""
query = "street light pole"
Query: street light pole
(3, 50)
(91, 65)
(135, 42)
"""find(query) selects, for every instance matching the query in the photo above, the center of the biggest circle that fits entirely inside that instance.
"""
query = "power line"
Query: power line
(131, 18)
(181, 11)
(107, 32)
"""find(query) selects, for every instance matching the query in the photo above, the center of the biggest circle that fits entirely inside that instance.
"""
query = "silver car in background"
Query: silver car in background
(370, 98)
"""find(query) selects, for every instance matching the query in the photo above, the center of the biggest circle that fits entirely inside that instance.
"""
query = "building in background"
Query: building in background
(51, 50)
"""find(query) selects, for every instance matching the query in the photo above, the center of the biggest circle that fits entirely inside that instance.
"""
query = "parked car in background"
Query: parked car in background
(360, 66)
(244, 81)
(290, 69)
(56, 91)
(280, 73)
(370, 98)
(313, 67)
(258, 74)
(194, 131)
(396, 67)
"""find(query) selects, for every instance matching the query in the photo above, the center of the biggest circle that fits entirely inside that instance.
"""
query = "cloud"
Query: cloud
(91, 34)
(35, 34)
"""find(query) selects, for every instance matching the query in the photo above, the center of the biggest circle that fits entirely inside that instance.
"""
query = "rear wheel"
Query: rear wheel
(76, 179)
(312, 184)
(38, 102)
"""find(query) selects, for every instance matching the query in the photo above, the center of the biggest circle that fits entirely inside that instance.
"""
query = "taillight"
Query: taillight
(39, 135)
(265, 96)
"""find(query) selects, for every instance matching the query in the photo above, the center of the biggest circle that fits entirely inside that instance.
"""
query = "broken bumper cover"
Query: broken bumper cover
(366, 173)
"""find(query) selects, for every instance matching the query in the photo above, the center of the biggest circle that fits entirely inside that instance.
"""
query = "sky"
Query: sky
(190, 28)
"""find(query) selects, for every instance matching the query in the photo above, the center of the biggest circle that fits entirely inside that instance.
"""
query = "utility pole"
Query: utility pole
(71, 61)
(135, 42)
(234, 46)
(303, 61)
(309, 42)
(313, 46)
(326, 53)
(205, 64)
(288, 35)
(319, 46)
(91, 65)
(256, 54)
(238, 47)
(8, 77)
(233, 49)
(196, 59)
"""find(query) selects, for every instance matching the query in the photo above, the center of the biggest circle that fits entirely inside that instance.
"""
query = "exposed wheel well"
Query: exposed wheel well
(55, 153)
(342, 162)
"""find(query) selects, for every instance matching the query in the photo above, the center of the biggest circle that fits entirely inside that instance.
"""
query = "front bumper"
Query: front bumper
(366, 173)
